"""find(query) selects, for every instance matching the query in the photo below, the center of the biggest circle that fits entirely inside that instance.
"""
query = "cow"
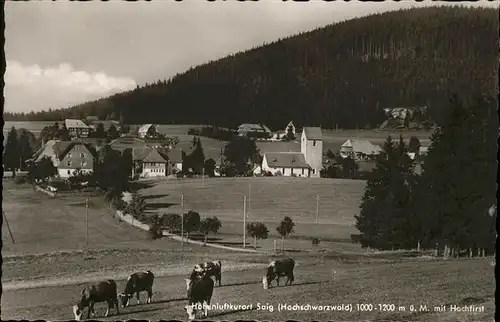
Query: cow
(136, 283)
(199, 293)
(278, 268)
(104, 291)
(211, 268)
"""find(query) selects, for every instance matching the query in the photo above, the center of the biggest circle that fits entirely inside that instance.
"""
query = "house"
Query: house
(68, 156)
(254, 130)
(306, 163)
(175, 160)
(359, 149)
(77, 128)
(149, 162)
(147, 130)
(290, 127)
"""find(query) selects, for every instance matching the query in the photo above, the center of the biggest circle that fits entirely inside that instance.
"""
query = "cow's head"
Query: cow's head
(191, 312)
(271, 273)
(77, 312)
(199, 268)
(124, 299)
(264, 282)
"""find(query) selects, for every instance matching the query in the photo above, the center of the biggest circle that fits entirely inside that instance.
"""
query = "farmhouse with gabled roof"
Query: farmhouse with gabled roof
(306, 163)
(68, 156)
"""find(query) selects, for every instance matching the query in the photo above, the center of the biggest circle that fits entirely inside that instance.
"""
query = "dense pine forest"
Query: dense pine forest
(340, 75)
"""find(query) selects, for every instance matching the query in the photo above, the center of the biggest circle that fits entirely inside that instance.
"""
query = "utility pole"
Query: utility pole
(317, 208)
(202, 176)
(8, 227)
(249, 192)
(86, 223)
(182, 221)
(244, 220)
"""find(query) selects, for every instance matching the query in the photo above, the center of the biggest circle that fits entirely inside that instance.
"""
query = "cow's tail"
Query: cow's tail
(220, 264)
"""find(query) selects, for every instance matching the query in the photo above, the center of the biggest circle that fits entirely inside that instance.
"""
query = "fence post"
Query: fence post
(274, 246)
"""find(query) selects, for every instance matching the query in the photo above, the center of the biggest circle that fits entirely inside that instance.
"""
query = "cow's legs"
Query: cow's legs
(110, 306)
(91, 310)
(292, 278)
(115, 300)
(138, 298)
(220, 279)
(150, 295)
(205, 304)
(278, 280)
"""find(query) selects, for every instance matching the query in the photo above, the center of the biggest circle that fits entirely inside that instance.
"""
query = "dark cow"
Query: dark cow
(277, 269)
(212, 268)
(199, 293)
(96, 293)
(136, 283)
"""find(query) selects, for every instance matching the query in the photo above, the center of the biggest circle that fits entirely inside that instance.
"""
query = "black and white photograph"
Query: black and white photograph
(250, 160)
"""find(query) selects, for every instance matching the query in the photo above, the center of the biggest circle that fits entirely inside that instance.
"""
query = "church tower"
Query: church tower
(311, 146)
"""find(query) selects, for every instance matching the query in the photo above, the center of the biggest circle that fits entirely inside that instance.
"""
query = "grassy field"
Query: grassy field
(318, 281)
(269, 199)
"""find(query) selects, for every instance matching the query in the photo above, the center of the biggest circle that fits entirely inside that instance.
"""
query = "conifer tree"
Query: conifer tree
(384, 220)
(11, 154)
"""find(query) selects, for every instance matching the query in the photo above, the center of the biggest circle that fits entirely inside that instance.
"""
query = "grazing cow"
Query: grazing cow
(136, 283)
(96, 293)
(199, 292)
(278, 268)
(212, 268)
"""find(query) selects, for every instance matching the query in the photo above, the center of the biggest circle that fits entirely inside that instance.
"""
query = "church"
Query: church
(306, 163)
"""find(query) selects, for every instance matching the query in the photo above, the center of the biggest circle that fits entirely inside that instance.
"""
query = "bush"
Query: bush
(20, 180)
(154, 231)
(172, 222)
(118, 203)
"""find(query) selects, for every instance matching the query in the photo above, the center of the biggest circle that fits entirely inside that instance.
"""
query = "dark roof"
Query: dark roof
(175, 155)
(286, 160)
(313, 133)
(154, 156)
(59, 149)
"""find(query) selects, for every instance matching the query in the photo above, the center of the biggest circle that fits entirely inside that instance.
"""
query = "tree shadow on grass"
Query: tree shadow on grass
(159, 205)
(154, 196)
(138, 185)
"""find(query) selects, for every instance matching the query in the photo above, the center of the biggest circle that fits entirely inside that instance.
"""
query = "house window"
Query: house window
(302, 170)
(69, 172)
(283, 170)
(69, 163)
(69, 155)
(82, 155)
(84, 163)
(314, 171)
(314, 142)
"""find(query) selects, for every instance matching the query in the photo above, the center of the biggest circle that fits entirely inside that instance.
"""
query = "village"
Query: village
(157, 155)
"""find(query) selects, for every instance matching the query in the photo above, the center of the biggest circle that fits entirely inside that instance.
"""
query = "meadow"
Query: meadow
(44, 270)
(269, 199)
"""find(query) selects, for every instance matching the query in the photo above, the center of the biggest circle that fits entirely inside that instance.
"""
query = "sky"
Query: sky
(64, 53)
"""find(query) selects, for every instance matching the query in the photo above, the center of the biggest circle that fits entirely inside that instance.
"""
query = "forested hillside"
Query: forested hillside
(342, 74)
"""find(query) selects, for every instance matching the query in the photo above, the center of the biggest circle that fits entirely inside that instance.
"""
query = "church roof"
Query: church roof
(313, 133)
(286, 160)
